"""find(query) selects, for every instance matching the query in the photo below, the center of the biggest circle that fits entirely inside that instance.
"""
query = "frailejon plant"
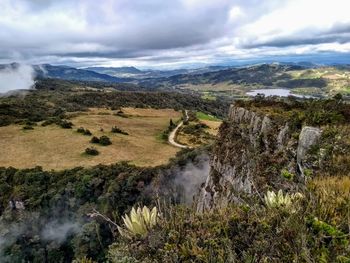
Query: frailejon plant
(281, 201)
(139, 222)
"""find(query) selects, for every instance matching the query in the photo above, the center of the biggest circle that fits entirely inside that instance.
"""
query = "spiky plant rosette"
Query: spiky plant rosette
(282, 201)
(139, 222)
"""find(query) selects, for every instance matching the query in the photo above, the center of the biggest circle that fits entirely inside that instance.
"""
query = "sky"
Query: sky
(171, 33)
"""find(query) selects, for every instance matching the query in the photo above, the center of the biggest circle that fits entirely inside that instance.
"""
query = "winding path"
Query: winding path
(173, 133)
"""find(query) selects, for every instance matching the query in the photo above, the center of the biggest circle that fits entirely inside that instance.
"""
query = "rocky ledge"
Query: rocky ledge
(255, 153)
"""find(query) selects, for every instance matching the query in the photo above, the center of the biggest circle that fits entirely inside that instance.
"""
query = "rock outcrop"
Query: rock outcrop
(249, 156)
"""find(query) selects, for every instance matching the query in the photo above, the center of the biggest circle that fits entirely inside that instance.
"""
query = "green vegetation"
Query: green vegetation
(53, 99)
(57, 200)
(314, 112)
(286, 174)
(208, 96)
(204, 116)
(244, 233)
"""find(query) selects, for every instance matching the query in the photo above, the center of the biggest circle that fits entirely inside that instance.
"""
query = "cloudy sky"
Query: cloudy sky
(171, 33)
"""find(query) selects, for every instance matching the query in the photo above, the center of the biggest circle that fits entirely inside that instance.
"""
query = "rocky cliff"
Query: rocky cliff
(255, 152)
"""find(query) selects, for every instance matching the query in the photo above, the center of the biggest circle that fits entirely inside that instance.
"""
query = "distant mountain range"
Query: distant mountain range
(264, 74)
(70, 73)
(259, 74)
(134, 73)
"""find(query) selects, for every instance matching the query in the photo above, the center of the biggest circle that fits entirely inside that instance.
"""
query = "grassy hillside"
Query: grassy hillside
(55, 148)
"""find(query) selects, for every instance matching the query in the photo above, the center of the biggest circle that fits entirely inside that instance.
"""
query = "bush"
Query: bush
(51, 121)
(104, 140)
(81, 130)
(120, 113)
(27, 127)
(84, 131)
(115, 129)
(286, 174)
(95, 140)
(91, 151)
(66, 124)
(87, 132)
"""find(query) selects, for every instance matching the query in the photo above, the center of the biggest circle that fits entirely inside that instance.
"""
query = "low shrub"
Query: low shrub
(84, 131)
(286, 174)
(115, 129)
(27, 127)
(91, 151)
(104, 140)
(95, 140)
(66, 124)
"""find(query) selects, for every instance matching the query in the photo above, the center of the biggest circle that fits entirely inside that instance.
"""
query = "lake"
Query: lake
(275, 92)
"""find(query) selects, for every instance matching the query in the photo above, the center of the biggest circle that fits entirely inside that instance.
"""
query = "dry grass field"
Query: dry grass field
(53, 147)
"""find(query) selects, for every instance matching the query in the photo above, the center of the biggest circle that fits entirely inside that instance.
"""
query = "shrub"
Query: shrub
(95, 140)
(51, 121)
(120, 113)
(81, 130)
(66, 124)
(84, 131)
(104, 140)
(286, 174)
(27, 127)
(91, 151)
(87, 132)
(115, 129)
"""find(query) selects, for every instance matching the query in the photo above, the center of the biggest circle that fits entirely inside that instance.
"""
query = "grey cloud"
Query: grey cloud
(140, 25)
(339, 33)
(147, 31)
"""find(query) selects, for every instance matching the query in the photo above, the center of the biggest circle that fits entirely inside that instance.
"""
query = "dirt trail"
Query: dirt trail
(173, 133)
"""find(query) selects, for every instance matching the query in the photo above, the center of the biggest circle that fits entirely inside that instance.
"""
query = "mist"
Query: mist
(182, 183)
(55, 231)
(16, 77)
(49, 231)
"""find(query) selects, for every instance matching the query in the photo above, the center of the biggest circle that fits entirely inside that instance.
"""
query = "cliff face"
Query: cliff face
(254, 153)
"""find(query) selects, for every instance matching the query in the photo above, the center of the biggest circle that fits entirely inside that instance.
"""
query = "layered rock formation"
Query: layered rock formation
(252, 153)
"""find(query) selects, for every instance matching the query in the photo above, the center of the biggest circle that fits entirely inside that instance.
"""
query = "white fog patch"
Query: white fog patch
(191, 177)
(18, 77)
(181, 184)
(58, 232)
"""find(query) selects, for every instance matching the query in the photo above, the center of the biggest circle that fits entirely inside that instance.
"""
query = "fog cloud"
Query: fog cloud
(16, 77)
(56, 231)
